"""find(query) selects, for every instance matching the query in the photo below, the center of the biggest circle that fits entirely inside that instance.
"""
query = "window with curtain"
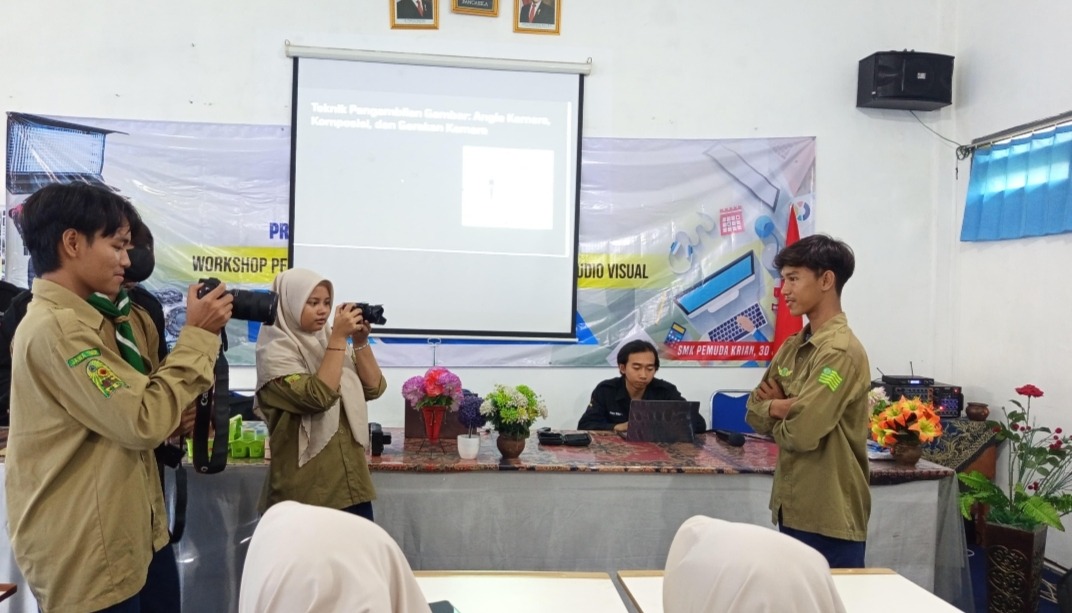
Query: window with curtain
(1020, 188)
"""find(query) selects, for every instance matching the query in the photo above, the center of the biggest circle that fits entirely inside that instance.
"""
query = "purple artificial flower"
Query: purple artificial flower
(413, 390)
(469, 412)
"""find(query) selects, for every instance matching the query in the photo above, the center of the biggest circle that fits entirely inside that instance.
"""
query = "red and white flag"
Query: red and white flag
(785, 323)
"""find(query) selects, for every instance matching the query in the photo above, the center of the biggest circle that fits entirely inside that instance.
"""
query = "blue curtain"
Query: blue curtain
(1020, 188)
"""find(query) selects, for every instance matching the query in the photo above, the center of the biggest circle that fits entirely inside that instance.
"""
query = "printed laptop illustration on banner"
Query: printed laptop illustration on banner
(713, 305)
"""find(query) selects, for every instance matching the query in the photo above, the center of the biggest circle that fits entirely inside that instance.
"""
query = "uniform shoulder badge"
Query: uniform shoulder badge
(103, 377)
(830, 378)
(82, 356)
(290, 379)
(785, 372)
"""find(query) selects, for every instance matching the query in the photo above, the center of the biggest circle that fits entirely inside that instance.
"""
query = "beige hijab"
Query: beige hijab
(284, 349)
(716, 566)
(308, 559)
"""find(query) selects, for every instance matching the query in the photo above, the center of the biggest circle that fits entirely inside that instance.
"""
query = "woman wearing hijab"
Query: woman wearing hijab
(312, 388)
(315, 560)
(726, 567)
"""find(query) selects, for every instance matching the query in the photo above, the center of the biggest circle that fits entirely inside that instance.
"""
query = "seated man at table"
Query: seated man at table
(638, 361)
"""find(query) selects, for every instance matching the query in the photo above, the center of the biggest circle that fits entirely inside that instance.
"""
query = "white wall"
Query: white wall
(1011, 298)
(710, 70)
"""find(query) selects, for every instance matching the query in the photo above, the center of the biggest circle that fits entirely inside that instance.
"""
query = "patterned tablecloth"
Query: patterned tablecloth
(961, 443)
(609, 453)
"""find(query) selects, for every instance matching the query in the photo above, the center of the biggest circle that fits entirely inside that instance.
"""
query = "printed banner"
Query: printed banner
(215, 197)
(677, 237)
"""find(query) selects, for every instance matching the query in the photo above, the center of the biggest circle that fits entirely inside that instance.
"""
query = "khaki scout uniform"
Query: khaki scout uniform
(821, 479)
(83, 497)
(338, 476)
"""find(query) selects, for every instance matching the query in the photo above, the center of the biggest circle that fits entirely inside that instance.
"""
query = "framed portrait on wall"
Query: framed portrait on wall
(486, 8)
(414, 14)
(537, 16)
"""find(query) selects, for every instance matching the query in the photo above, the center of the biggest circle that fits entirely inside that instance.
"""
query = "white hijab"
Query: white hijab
(309, 559)
(284, 349)
(716, 566)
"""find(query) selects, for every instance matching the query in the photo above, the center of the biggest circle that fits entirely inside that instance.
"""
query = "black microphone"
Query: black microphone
(733, 439)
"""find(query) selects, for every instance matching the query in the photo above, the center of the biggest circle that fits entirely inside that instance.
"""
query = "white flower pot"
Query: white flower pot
(468, 447)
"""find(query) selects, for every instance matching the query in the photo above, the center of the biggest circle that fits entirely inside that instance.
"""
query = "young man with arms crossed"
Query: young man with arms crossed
(813, 401)
(81, 492)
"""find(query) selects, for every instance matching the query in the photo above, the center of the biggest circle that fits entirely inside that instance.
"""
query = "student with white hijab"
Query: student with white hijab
(312, 388)
(716, 566)
(306, 559)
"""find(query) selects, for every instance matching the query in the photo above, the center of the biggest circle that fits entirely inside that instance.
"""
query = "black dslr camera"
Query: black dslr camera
(250, 306)
(214, 405)
(373, 313)
(378, 438)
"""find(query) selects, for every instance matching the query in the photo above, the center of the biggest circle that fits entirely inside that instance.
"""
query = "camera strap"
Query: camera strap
(213, 409)
(170, 455)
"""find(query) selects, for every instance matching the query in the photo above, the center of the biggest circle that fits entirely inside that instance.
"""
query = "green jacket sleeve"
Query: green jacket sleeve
(758, 415)
(101, 391)
(820, 401)
(299, 393)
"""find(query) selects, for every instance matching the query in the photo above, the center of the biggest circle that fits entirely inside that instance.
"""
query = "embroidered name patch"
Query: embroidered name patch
(103, 377)
(785, 372)
(830, 378)
(82, 356)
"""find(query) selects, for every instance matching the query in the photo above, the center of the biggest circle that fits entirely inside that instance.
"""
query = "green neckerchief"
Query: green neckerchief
(119, 313)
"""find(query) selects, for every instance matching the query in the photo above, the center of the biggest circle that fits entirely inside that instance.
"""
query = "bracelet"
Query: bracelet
(336, 348)
(356, 349)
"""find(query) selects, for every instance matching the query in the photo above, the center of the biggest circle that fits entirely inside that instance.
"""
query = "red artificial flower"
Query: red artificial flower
(1057, 431)
(1030, 391)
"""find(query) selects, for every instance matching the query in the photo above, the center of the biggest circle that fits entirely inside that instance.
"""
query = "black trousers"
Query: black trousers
(161, 593)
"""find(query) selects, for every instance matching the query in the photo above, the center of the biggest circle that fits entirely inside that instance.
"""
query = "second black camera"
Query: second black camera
(373, 313)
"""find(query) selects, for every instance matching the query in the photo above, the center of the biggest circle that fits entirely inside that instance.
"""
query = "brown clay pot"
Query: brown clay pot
(906, 454)
(977, 411)
(509, 446)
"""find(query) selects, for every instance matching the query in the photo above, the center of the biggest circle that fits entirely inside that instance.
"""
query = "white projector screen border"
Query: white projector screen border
(485, 262)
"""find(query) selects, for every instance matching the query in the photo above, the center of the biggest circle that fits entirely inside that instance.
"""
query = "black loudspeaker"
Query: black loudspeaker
(905, 80)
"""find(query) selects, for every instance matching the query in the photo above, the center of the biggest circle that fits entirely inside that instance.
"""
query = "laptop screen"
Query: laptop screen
(661, 421)
(719, 287)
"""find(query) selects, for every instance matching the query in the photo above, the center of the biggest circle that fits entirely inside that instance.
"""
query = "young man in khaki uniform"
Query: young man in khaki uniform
(84, 417)
(813, 401)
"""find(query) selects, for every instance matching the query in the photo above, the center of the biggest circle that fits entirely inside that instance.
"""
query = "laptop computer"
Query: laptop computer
(661, 421)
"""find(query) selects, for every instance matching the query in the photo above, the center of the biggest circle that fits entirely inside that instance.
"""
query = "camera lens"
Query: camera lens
(254, 306)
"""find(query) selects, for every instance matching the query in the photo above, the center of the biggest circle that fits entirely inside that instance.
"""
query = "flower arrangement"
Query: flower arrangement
(1039, 472)
(512, 410)
(469, 412)
(438, 387)
(908, 420)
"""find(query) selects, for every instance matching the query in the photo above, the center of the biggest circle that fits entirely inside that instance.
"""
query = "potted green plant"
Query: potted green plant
(1036, 497)
(512, 411)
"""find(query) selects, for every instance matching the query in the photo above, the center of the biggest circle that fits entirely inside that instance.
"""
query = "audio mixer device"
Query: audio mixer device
(948, 400)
